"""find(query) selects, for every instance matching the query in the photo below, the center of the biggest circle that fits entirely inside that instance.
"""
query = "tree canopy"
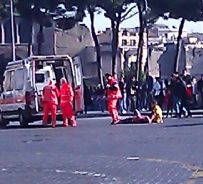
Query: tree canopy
(42, 12)
(4, 12)
(189, 10)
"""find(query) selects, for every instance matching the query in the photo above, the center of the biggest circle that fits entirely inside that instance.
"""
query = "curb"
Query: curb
(93, 114)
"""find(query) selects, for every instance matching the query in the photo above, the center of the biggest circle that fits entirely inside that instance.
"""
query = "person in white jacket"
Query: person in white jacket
(159, 91)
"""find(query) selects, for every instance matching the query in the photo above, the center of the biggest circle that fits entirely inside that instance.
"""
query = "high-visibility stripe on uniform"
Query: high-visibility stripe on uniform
(50, 94)
(66, 93)
(113, 94)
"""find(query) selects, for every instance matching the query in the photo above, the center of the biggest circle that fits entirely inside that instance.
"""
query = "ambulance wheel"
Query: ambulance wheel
(22, 119)
(3, 122)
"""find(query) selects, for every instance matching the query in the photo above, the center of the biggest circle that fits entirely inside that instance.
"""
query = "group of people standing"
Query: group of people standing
(113, 94)
(179, 94)
(135, 94)
(51, 98)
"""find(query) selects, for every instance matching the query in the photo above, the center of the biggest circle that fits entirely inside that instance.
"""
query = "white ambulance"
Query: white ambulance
(20, 98)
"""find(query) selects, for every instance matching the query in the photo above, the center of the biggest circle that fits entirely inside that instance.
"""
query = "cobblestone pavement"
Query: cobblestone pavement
(97, 153)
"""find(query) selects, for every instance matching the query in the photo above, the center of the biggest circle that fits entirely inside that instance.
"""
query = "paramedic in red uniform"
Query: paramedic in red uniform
(113, 93)
(66, 102)
(50, 102)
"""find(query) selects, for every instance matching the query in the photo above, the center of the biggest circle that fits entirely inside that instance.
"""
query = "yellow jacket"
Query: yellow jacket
(157, 114)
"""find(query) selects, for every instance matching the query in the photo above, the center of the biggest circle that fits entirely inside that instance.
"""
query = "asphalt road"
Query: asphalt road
(97, 153)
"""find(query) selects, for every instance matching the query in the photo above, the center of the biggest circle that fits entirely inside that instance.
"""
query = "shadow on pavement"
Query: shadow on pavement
(10, 127)
(184, 125)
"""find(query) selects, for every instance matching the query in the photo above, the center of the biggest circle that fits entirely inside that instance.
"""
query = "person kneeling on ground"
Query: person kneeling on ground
(157, 114)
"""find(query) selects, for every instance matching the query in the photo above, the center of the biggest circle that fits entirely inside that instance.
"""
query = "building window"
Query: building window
(80, 38)
(125, 33)
(132, 42)
(132, 33)
(124, 42)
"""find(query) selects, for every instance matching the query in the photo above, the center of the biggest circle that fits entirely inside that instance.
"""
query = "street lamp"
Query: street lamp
(12, 31)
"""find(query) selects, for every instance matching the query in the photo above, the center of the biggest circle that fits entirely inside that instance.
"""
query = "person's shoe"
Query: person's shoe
(179, 116)
(53, 126)
(73, 123)
(188, 116)
(65, 125)
(115, 122)
(44, 125)
(124, 112)
(112, 123)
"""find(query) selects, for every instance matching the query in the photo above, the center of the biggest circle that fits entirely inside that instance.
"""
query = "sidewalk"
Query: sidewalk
(95, 114)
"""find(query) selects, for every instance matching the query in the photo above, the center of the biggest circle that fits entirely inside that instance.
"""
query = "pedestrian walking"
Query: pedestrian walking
(194, 92)
(142, 99)
(185, 96)
(113, 93)
(100, 98)
(149, 88)
(134, 88)
(169, 101)
(87, 98)
(159, 91)
(66, 102)
(200, 89)
(50, 102)
(176, 91)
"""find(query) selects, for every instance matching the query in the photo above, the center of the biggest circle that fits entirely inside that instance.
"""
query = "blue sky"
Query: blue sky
(102, 22)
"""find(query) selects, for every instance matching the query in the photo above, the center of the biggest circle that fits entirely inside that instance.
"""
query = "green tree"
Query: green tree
(117, 11)
(146, 20)
(43, 11)
(142, 22)
(30, 10)
(4, 13)
(40, 12)
(91, 7)
(91, 11)
(192, 11)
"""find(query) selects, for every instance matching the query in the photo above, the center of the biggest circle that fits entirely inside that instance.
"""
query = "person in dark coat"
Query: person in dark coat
(149, 88)
(87, 98)
(184, 101)
(133, 91)
(200, 89)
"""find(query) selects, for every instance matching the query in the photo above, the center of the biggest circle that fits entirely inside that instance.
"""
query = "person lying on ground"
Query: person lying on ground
(156, 116)
(136, 119)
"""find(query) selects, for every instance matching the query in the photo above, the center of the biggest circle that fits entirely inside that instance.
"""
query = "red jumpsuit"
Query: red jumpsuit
(113, 94)
(50, 102)
(66, 93)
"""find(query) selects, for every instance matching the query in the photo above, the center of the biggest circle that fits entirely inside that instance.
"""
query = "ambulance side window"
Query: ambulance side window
(78, 75)
(9, 81)
(19, 75)
(68, 75)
